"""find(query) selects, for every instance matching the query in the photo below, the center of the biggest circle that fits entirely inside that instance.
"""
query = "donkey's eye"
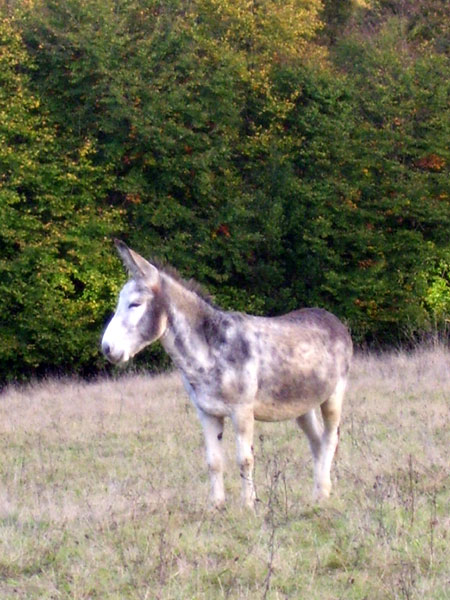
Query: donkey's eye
(134, 305)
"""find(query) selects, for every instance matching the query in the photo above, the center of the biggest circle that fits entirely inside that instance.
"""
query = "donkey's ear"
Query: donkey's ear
(137, 265)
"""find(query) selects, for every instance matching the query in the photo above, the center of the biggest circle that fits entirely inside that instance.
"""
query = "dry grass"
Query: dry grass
(103, 489)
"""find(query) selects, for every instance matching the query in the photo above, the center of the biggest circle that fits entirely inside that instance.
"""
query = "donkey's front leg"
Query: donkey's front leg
(243, 421)
(213, 432)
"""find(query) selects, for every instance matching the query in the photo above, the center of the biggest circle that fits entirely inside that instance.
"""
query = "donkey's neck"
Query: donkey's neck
(184, 339)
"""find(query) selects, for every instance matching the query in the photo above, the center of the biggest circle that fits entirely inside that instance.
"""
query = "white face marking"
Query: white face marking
(124, 336)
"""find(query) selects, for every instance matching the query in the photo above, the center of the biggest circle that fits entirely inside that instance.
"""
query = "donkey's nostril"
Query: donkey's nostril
(111, 354)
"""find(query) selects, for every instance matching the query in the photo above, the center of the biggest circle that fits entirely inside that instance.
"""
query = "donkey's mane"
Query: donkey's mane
(189, 284)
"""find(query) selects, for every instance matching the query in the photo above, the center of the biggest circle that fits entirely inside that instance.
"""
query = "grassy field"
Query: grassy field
(103, 494)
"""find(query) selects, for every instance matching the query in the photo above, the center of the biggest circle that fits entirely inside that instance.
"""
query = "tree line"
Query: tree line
(283, 154)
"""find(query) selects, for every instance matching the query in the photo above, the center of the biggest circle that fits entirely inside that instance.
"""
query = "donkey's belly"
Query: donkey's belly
(278, 399)
(273, 410)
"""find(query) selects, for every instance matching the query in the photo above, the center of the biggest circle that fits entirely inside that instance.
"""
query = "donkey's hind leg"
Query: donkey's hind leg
(331, 413)
(311, 427)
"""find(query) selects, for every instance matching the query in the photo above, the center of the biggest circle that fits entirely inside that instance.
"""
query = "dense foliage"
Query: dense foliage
(283, 154)
(55, 272)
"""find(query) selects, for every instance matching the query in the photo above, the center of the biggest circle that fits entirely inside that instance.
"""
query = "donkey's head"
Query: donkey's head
(141, 316)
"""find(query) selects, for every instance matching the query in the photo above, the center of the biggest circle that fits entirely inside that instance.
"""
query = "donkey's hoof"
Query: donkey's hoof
(249, 505)
(321, 494)
(216, 506)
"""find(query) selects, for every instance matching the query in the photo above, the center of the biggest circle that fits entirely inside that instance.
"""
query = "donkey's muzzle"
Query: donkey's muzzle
(107, 351)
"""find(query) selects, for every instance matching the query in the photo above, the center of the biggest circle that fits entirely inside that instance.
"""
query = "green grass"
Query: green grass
(103, 494)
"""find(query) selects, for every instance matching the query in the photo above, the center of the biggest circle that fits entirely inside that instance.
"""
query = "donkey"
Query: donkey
(237, 365)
